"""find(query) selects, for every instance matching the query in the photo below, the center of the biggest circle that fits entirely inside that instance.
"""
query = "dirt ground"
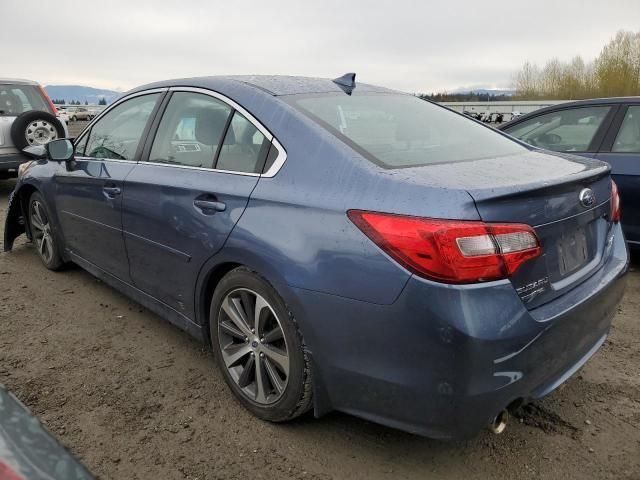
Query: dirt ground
(135, 398)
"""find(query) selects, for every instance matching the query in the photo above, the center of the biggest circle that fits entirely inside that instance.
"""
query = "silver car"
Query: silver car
(27, 118)
(79, 113)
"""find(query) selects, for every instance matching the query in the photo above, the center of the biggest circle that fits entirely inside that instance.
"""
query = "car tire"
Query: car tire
(285, 393)
(35, 128)
(42, 233)
(74, 119)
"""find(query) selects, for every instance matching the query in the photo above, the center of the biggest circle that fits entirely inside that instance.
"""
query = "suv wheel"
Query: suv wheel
(35, 128)
(259, 348)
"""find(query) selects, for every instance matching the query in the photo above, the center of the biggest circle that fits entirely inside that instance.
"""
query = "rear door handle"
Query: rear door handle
(111, 191)
(210, 206)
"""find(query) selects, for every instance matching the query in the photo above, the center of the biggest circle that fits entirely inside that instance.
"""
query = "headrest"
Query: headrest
(209, 126)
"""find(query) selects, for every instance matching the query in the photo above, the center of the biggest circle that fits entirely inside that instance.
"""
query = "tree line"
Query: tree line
(614, 72)
(62, 101)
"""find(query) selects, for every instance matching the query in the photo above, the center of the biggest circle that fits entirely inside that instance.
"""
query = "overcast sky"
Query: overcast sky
(415, 46)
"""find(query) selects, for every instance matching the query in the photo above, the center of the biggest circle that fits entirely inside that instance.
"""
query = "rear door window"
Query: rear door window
(569, 130)
(190, 131)
(117, 134)
(17, 99)
(245, 147)
(628, 138)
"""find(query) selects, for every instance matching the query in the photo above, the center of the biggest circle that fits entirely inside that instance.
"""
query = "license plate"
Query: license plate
(572, 251)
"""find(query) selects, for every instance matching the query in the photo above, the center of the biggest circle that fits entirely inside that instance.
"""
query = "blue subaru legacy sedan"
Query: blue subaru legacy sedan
(340, 246)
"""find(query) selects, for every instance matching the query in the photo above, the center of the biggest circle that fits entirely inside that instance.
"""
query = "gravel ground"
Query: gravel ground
(135, 398)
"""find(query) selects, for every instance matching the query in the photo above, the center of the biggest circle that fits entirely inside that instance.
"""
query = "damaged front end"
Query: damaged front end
(15, 224)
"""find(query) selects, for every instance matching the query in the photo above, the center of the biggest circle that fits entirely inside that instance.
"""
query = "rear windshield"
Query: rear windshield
(17, 99)
(396, 131)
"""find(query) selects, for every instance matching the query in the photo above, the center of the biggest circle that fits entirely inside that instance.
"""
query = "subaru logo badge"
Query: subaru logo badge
(587, 198)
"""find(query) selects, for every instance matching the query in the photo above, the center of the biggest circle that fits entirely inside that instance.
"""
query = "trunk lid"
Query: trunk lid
(542, 190)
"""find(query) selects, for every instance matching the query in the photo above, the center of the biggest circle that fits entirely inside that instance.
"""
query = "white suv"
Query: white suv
(27, 117)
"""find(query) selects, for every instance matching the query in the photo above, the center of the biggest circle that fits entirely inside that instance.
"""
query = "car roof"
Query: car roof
(598, 101)
(577, 103)
(17, 81)
(276, 85)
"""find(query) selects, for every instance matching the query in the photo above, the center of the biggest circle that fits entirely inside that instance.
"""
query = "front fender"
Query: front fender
(14, 224)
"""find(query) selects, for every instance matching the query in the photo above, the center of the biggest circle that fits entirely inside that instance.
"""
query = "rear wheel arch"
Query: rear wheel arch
(217, 267)
(209, 282)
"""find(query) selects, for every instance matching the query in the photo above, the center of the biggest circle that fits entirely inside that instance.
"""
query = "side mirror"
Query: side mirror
(60, 150)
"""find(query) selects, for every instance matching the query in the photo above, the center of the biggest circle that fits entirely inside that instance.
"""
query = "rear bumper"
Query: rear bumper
(9, 163)
(443, 360)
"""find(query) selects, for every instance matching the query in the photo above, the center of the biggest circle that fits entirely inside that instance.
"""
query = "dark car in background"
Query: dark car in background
(340, 246)
(607, 129)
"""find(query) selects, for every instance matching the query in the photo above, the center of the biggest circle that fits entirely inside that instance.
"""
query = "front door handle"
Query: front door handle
(111, 191)
(209, 207)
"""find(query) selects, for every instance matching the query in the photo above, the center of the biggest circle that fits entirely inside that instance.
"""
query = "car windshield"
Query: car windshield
(17, 99)
(397, 130)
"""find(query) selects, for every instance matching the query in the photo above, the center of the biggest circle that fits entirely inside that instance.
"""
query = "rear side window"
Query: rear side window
(570, 130)
(395, 130)
(628, 139)
(245, 147)
(17, 99)
(190, 131)
(117, 134)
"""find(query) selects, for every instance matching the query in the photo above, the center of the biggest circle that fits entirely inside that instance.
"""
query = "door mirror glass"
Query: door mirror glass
(60, 150)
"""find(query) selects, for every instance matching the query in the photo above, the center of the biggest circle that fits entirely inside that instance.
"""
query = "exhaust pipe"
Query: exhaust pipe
(499, 424)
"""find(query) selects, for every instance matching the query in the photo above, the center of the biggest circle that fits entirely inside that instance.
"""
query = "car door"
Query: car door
(89, 189)
(621, 149)
(182, 201)
(578, 129)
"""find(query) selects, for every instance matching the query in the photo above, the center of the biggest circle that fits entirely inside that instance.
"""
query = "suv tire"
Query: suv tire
(35, 128)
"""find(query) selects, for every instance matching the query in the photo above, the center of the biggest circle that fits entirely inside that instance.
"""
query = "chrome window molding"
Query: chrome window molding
(278, 162)
(206, 169)
(94, 159)
(282, 154)
(273, 170)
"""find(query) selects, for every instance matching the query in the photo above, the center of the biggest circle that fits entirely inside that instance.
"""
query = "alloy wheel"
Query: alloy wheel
(253, 346)
(42, 235)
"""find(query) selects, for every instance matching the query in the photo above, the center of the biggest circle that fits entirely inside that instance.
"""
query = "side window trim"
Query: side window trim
(605, 127)
(145, 132)
(159, 111)
(616, 124)
(153, 127)
(216, 157)
(282, 153)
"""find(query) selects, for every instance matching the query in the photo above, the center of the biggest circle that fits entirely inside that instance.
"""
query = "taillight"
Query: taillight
(615, 203)
(450, 251)
(6, 473)
(52, 107)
